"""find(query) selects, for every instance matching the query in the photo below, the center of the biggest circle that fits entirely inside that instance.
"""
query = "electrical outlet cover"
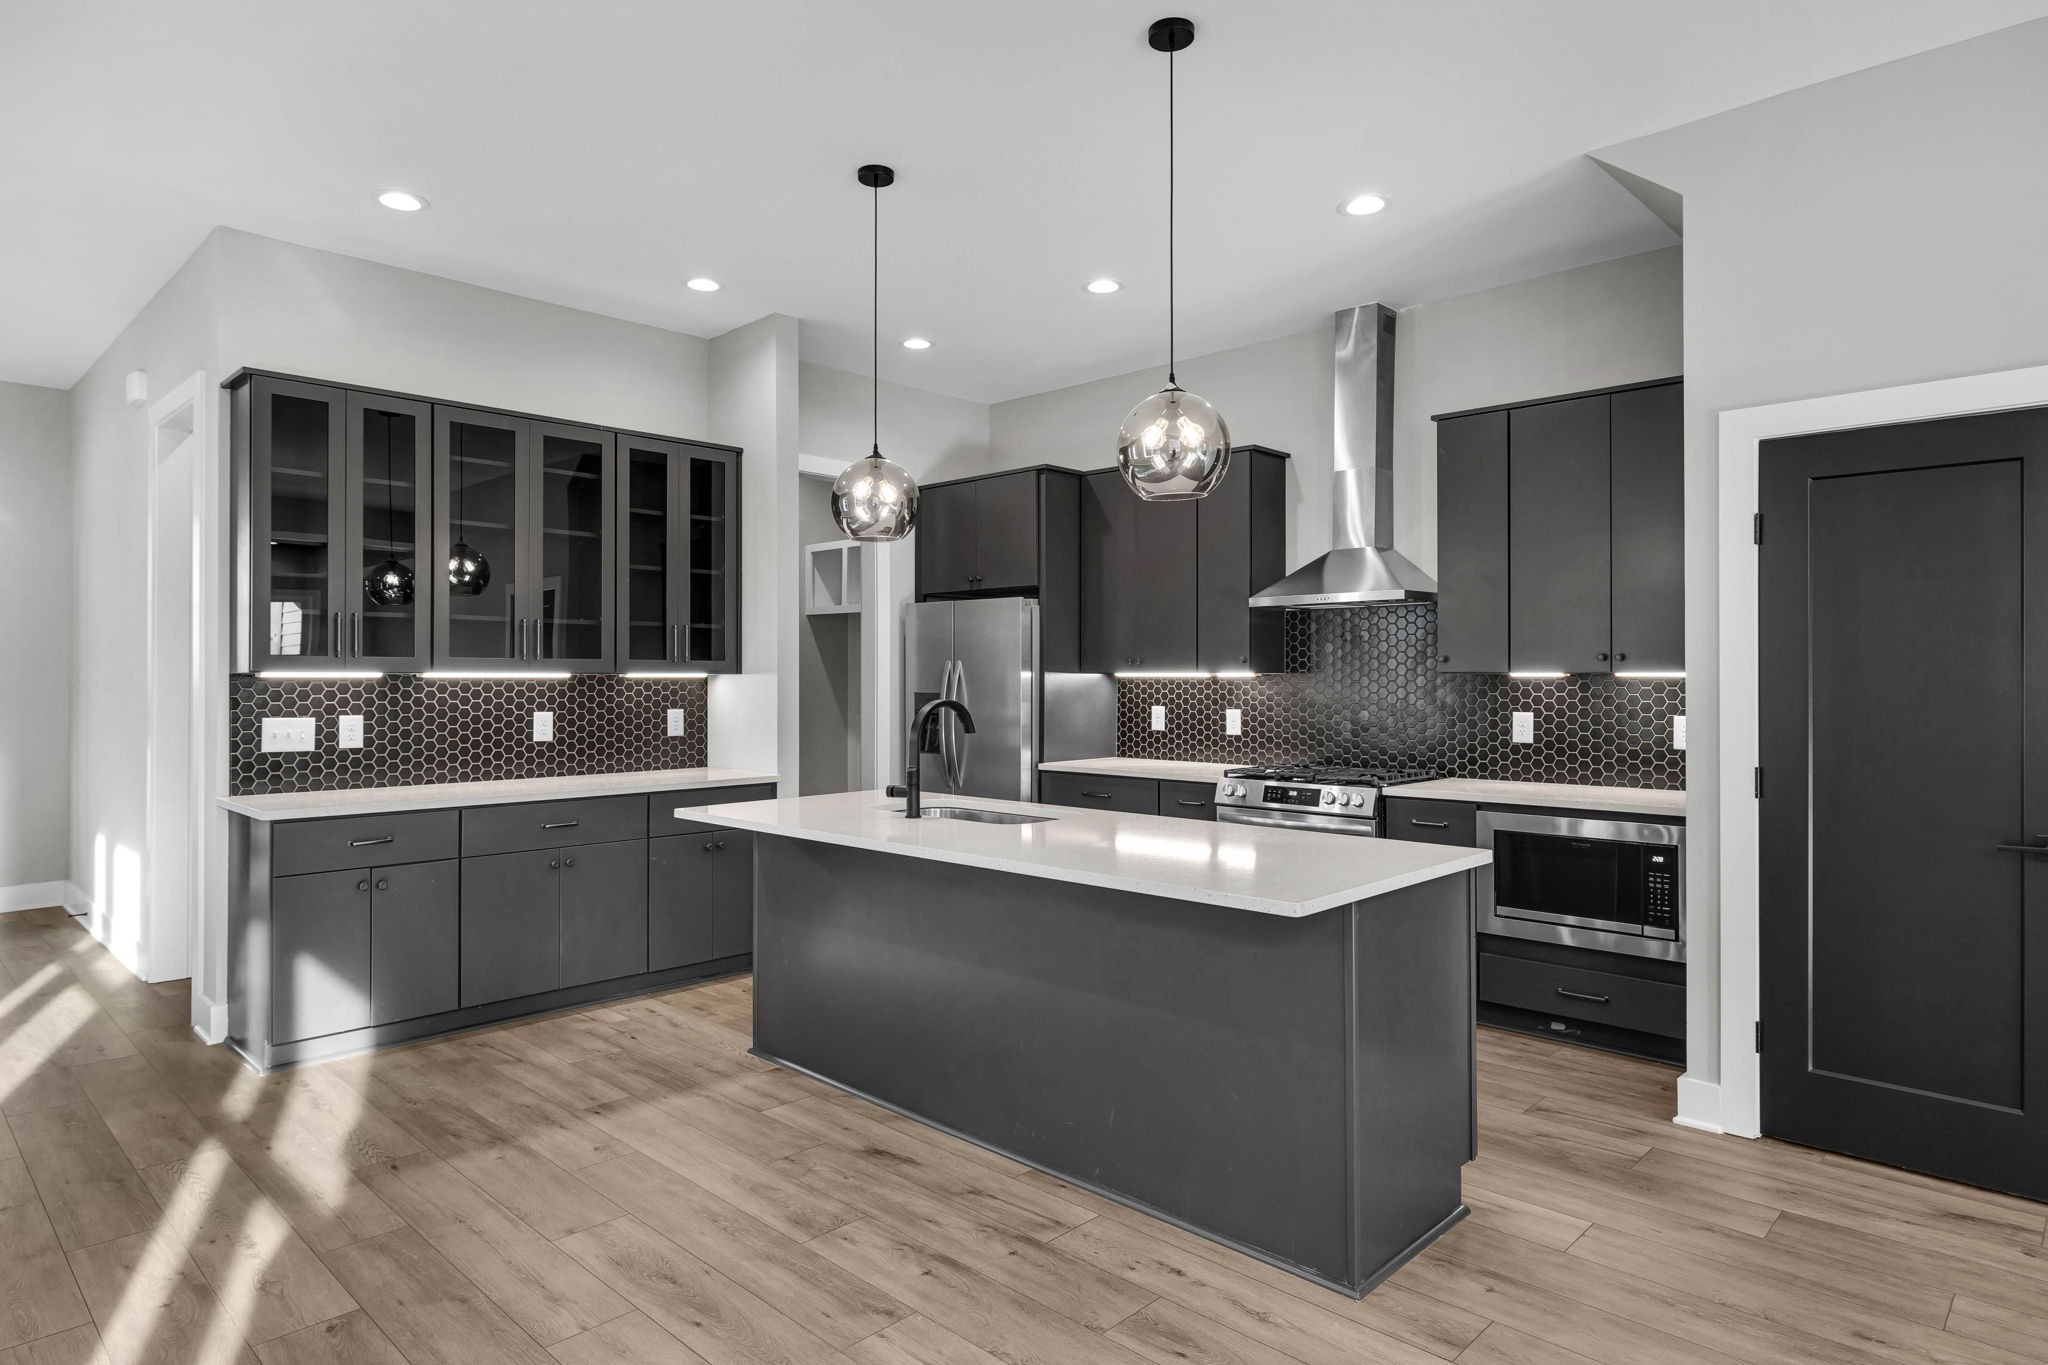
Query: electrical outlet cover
(348, 732)
(1678, 732)
(1159, 718)
(288, 734)
(1524, 731)
(675, 722)
(543, 726)
(1233, 721)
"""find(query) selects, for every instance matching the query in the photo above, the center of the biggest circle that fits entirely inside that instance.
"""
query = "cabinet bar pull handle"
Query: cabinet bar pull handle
(335, 648)
(2023, 848)
(365, 843)
(1581, 995)
(356, 623)
(513, 646)
(1186, 802)
(562, 824)
(1096, 796)
(1430, 824)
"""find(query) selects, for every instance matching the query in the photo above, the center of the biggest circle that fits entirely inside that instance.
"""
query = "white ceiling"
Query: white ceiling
(597, 153)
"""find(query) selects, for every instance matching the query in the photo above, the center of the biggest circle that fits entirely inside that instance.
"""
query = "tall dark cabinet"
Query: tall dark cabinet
(576, 549)
(1561, 535)
(1166, 586)
(678, 581)
(1007, 535)
(328, 485)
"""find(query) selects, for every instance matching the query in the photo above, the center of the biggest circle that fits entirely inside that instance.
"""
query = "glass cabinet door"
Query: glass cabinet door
(481, 619)
(571, 604)
(711, 597)
(651, 561)
(295, 554)
(388, 580)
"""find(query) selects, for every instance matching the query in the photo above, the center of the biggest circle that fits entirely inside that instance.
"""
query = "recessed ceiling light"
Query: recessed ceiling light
(1358, 206)
(402, 201)
(703, 285)
(1104, 286)
(916, 344)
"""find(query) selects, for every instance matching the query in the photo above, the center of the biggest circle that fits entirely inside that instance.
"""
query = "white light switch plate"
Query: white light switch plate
(348, 732)
(1678, 732)
(675, 722)
(543, 726)
(1524, 731)
(288, 734)
(1159, 718)
(1233, 721)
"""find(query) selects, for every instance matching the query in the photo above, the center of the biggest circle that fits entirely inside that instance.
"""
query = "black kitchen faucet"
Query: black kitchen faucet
(914, 743)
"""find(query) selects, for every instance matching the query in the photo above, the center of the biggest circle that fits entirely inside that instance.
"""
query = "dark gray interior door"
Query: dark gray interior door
(1903, 624)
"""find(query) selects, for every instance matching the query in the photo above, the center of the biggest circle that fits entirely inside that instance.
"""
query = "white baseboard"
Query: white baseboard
(1699, 1105)
(209, 1019)
(34, 896)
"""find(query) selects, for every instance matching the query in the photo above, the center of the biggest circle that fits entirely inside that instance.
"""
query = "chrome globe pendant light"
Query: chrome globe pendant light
(469, 573)
(1174, 445)
(876, 499)
(390, 583)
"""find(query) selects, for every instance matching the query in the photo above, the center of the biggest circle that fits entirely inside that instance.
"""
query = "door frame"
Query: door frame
(182, 930)
(887, 572)
(1732, 1103)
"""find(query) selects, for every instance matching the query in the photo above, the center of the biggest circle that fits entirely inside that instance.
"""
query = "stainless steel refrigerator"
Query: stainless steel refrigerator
(984, 653)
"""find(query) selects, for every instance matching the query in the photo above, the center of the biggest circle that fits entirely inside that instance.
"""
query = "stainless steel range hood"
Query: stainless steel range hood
(1362, 569)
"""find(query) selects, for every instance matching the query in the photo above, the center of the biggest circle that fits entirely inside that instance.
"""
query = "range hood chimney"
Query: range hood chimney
(1362, 568)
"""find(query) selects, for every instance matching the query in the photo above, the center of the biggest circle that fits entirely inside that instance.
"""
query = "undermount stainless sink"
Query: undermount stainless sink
(983, 817)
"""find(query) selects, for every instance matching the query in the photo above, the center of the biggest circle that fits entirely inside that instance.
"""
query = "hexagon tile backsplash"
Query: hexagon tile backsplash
(418, 730)
(1363, 690)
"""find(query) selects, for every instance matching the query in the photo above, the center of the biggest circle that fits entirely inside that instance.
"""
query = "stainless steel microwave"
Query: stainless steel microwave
(1618, 886)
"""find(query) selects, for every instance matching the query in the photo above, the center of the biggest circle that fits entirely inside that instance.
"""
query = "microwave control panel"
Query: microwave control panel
(1660, 893)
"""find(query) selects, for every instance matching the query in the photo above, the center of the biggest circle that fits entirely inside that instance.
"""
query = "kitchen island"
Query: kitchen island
(1261, 1035)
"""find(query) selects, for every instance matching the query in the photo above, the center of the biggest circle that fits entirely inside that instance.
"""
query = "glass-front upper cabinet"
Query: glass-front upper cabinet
(678, 577)
(290, 527)
(572, 502)
(482, 618)
(387, 582)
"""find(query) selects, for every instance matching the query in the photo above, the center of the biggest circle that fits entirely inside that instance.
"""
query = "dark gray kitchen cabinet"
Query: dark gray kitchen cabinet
(574, 491)
(1188, 800)
(1007, 535)
(511, 925)
(330, 491)
(1241, 549)
(1421, 820)
(1560, 548)
(1472, 543)
(1647, 444)
(415, 940)
(678, 582)
(732, 893)
(1132, 795)
(604, 911)
(700, 897)
(1138, 581)
(319, 954)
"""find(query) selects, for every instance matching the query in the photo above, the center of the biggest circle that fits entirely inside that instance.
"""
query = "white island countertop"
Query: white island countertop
(1555, 795)
(1247, 867)
(442, 795)
(1154, 769)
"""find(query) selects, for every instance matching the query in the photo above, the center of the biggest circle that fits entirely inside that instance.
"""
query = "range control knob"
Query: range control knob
(1358, 798)
(1329, 798)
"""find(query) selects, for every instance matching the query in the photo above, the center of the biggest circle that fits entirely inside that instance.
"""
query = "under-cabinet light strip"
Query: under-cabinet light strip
(457, 675)
(1539, 675)
(664, 675)
(1632, 673)
(1186, 675)
(275, 675)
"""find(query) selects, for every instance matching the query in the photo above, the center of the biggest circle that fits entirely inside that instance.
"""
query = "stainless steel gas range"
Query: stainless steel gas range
(1310, 796)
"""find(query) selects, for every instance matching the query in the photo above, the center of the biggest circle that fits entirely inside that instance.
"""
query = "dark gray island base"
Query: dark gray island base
(1298, 1088)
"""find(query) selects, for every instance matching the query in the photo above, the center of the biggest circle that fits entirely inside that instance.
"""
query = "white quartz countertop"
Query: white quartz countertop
(441, 795)
(1157, 769)
(1558, 795)
(1248, 867)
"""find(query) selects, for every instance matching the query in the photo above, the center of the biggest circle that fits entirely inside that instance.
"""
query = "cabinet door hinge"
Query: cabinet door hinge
(1757, 783)
(1759, 1035)
(1756, 528)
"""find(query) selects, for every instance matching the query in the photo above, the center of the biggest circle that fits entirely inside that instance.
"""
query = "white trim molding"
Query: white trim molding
(1738, 1106)
(34, 896)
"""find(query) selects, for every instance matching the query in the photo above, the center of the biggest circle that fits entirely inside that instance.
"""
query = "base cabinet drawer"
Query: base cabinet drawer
(1188, 800)
(1134, 795)
(553, 824)
(1422, 821)
(363, 841)
(1583, 993)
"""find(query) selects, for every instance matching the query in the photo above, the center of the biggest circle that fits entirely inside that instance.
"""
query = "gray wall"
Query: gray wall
(932, 435)
(1879, 229)
(1610, 323)
(35, 621)
(828, 665)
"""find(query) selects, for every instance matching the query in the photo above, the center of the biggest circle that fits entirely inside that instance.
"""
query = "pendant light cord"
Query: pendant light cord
(1171, 381)
(875, 315)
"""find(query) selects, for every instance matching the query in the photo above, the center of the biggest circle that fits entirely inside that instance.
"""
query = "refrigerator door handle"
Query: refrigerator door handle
(960, 736)
(945, 726)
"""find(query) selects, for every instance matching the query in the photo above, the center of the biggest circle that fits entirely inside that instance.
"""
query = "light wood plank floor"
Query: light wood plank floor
(625, 1184)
